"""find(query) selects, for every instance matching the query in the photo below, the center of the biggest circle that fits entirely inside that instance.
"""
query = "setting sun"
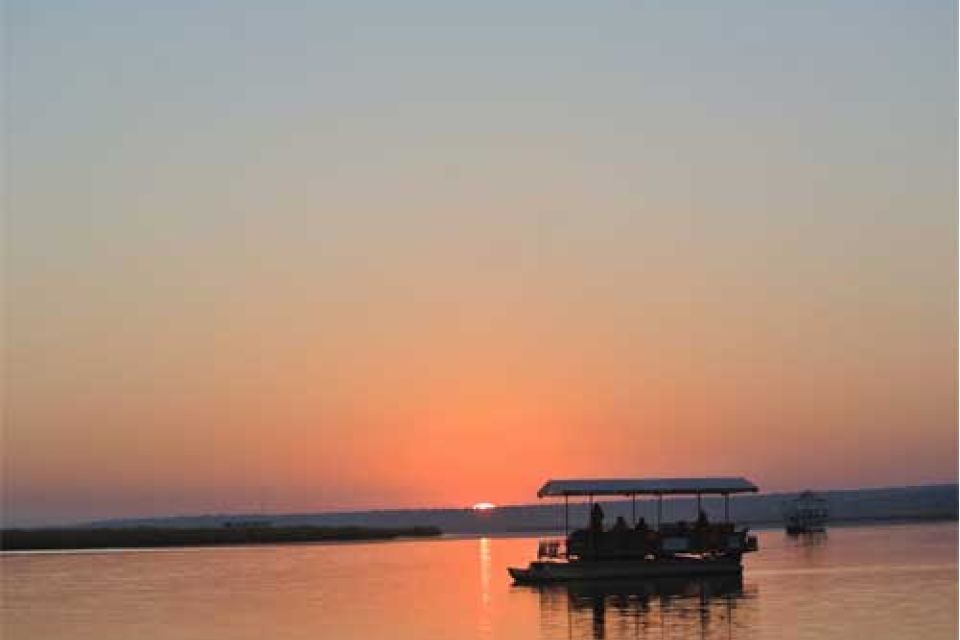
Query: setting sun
(484, 506)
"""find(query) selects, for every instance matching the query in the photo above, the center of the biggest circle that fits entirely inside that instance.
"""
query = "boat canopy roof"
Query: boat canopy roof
(646, 486)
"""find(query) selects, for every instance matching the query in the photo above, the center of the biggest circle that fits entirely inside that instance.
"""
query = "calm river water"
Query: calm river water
(875, 582)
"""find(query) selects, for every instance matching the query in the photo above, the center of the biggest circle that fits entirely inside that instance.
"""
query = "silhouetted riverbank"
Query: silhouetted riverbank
(893, 504)
(75, 538)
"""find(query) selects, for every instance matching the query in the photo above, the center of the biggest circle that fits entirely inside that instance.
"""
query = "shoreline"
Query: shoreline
(166, 537)
(410, 534)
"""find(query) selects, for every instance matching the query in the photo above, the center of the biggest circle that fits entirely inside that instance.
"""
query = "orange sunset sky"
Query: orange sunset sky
(342, 255)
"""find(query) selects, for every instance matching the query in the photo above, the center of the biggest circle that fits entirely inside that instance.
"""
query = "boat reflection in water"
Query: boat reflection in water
(705, 607)
(811, 539)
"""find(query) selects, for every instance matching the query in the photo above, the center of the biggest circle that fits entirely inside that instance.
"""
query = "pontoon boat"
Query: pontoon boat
(698, 548)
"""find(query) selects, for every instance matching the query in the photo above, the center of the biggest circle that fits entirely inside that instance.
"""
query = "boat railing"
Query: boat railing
(667, 539)
(552, 548)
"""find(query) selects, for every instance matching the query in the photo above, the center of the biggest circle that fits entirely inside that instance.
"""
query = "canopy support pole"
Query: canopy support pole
(590, 509)
(633, 509)
(699, 505)
(726, 507)
(566, 525)
(659, 509)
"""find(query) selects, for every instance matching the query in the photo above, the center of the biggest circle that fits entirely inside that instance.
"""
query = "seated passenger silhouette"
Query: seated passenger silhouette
(620, 524)
(596, 518)
(702, 521)
(641, 524)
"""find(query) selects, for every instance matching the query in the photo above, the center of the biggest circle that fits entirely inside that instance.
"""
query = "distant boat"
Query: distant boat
(639, 550)
(807, 513)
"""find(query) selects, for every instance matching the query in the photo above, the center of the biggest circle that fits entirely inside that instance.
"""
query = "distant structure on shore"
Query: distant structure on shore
(807, 513)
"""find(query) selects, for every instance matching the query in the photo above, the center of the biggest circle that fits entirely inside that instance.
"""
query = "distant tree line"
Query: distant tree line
(97, 538)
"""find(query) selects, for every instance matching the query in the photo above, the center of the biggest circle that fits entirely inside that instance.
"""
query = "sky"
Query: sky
(301, 256)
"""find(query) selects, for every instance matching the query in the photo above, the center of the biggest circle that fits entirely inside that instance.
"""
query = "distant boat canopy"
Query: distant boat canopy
(646, 486)
(806, 513)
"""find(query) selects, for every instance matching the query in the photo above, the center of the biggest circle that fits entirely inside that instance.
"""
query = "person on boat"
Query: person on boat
(643, 537)
(596, 518)
(702, 522)
(620, 535)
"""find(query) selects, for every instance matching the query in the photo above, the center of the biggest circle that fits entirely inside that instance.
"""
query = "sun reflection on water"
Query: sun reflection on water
(485, 570)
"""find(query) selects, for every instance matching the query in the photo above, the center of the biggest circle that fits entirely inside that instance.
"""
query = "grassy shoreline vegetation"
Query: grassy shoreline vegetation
(108, 538)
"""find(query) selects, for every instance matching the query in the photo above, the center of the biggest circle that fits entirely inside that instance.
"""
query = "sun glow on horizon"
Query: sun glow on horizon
(483, 506)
